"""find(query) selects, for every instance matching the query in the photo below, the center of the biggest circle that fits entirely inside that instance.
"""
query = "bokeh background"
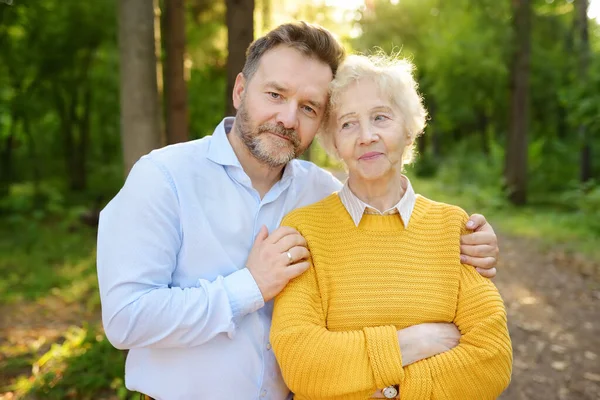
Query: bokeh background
(86, 88)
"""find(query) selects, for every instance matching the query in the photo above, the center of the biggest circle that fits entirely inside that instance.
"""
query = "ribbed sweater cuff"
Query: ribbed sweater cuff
(417, 383)
(384, 354)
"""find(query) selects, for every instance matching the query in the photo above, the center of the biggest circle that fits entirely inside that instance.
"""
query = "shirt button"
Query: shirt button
(263, 393)
(268, 346)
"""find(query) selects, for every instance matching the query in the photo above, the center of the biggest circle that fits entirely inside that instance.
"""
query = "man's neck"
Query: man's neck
(262, 176)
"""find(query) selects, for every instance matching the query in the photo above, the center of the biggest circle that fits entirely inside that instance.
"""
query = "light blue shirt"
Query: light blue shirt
(172, 248)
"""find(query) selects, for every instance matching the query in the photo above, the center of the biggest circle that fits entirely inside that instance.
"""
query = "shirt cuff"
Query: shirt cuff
(243, 292)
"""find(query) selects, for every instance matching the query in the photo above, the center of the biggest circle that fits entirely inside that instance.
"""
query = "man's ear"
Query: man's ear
(238, 90)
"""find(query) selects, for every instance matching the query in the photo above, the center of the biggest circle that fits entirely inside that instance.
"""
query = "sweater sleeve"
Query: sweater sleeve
(318, 363)
(480, 366)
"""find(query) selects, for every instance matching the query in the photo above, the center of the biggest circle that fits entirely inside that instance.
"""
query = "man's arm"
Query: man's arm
(139, 238)
(480, 248)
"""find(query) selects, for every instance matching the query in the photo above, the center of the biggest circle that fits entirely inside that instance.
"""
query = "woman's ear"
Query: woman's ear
(410, 138)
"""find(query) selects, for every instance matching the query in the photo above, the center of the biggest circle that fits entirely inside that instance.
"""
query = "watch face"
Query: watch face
(390, 392)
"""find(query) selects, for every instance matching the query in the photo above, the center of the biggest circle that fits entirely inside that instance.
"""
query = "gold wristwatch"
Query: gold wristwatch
(390, 392)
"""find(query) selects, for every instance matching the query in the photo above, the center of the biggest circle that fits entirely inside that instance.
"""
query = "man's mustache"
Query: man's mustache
(282, 131)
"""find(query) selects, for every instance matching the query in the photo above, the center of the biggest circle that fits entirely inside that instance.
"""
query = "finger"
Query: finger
(482, 250)
(298, 253)
(289, 241)
(479, 238)
(485, 228)
(487, 273)
(297, 269)
(476, 221)
(483, 263)
(280, 232)
(262, 234)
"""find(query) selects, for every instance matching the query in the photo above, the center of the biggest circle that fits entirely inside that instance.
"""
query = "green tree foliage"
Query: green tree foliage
(462, 51)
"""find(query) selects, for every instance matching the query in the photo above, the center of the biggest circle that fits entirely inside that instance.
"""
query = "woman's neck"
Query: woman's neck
(383, 193)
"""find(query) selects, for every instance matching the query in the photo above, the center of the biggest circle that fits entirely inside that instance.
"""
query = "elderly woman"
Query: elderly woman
(384, 260)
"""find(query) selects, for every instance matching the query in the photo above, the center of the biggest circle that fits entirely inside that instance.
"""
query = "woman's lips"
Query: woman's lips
(370, 156)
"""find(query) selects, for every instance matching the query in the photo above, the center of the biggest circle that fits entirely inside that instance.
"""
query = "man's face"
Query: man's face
(282, 106)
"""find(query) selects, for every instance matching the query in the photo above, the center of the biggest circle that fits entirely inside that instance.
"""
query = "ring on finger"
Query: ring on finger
(289, 255)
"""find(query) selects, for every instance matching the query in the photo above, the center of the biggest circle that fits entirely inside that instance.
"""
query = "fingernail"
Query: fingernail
(463, 259)
(470, 224)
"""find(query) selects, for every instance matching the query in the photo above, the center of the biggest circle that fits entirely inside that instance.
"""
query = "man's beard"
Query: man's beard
(269, 151)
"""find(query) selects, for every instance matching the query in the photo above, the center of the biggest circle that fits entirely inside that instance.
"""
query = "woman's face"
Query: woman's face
(368, 132)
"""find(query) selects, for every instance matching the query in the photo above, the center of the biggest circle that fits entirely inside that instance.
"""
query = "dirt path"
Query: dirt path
(554, 321)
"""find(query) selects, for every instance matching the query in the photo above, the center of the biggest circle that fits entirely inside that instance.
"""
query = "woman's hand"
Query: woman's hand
(422, 341)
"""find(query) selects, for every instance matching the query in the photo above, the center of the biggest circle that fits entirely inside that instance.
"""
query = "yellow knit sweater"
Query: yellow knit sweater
(334, 327)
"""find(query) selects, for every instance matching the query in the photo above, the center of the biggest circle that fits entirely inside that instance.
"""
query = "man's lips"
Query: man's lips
(281, 136)
(370, 156)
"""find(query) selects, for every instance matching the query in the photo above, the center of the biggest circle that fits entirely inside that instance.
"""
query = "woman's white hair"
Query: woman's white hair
(394, 77)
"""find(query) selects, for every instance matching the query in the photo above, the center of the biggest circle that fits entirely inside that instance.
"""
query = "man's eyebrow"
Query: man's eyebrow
(280, 88)
(276, 86)
(315, 104)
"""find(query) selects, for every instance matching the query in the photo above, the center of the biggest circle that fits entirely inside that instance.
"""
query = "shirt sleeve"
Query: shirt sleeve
(480, 366)
(139, 237)
(319, 363)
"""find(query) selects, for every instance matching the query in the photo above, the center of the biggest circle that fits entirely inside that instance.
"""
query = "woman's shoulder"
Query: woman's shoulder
(439, 210)
(324, 208)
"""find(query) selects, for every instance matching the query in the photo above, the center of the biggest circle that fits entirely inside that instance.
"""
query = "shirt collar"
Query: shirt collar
(220, 150)
(356, 207)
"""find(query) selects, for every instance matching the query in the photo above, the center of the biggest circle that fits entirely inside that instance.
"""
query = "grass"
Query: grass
(567, 231)
(47, 269)
(38, 257)
(46, 261)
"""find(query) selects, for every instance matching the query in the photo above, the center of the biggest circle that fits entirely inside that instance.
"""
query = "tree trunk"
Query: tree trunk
(240, 33)
(79, 172)
(140, 123)
(159, 26)
(516, 149)
(176, 94)
(583, 41)
(6, 158)
(33, 159)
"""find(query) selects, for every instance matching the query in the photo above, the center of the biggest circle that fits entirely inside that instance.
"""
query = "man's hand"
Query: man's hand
(269, 262)
(480, 248)
(422, 341)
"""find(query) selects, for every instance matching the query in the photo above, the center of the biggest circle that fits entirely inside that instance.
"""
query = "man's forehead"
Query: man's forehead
(287, 62)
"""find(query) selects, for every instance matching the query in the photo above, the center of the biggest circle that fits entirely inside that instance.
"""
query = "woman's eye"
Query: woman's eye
(380, 117)
(274, 95)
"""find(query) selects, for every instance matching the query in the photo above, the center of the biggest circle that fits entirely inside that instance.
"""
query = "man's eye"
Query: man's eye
(274, 95)
(309, 110)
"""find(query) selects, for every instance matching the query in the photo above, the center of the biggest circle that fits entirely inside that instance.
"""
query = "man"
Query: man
(189, 251)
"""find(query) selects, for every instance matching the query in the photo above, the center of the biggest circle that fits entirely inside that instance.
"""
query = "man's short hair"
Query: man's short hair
(311, 40)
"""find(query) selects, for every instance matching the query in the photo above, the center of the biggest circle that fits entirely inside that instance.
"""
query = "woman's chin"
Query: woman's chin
(370, 174)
